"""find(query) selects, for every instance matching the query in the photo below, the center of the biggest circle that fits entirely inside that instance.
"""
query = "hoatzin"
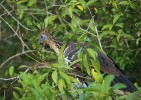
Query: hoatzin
(107, 65)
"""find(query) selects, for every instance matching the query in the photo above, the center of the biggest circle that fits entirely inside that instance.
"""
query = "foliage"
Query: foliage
(56, 84)
(112, 26)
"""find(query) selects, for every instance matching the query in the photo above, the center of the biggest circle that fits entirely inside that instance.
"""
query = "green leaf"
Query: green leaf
(107, 82)
(96, 75)
(67, 92)
(119, 25)
(61, 59)
(55, 76)
(105, 33)
(90, 2)
(108, 26)
(15, 95)
(133, 96)
(92, 53)
(41, 78)
(70, 11)
(94, 87)
(80, 7)
(86, 64)
(74, 80)
(119, 86)
(124, 3)
(21, 10)
(82, 37)
(34, 82)
(35, 92)
(96, 65)
(31, 2)
(137, 41)
(49, 20)
(21, 1)
(11, 70)
(116, 17)
(128, 36)
(74, 62)
(61, 85)
(20, 90)
(65, 77)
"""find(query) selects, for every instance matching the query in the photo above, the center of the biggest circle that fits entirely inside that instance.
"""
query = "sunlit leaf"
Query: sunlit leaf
(11, 70)
(80, 7)
(74, 62)
(31, 2)
(119, 25)
(74, 80)
(108, 26)
(55, 76)
(41, 78)
(107, 82)
(65, 77)
(61, 84)
(70, 11)
(97, 77)
(86, 64)
(119, 86)
(96, 65)
(116, 17)
(124, 3)
(92, 53)
(16, 96)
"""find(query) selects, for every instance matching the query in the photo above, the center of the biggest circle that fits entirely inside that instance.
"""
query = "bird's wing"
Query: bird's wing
(107, 65)
(71, 50)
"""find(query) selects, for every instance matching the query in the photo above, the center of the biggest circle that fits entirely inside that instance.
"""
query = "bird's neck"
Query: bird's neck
(55, 45)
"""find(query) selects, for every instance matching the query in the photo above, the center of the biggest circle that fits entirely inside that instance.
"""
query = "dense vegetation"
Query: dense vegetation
(113, 26)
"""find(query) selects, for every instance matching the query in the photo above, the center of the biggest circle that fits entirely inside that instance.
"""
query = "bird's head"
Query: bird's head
(44, 38)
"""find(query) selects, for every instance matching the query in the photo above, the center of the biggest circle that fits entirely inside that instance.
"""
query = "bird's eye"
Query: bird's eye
(43, 36)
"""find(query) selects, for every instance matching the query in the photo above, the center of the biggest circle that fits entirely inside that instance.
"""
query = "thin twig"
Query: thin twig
(16, 77)
(43, 67)
(6, 13)
(4, 95)
(0, 30)
(16, 55)
(7, 79)
(15, 18)
(95, 26)
(2, 1)
(78, 22)
(15, 33)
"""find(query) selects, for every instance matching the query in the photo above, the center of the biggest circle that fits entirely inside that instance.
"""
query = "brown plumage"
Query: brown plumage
(107, 65)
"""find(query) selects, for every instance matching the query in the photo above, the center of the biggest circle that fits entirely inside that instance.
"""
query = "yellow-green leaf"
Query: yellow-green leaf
(116, 17)
(70, 11)
(65, 77)
(92, 53)
(55, 76)
(80, 7)
(86, 64)
(11, 70)
(97, 76)
(61, 85)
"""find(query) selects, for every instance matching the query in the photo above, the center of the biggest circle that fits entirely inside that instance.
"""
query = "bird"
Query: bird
(107, 65)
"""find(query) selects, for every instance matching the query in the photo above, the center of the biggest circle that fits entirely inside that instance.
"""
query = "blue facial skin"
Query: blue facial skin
(41, 39)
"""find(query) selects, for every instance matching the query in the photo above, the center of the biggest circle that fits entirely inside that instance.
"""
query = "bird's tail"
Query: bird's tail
(122, 79)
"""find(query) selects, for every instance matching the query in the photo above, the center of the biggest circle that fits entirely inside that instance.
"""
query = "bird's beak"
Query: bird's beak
(40, 41)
